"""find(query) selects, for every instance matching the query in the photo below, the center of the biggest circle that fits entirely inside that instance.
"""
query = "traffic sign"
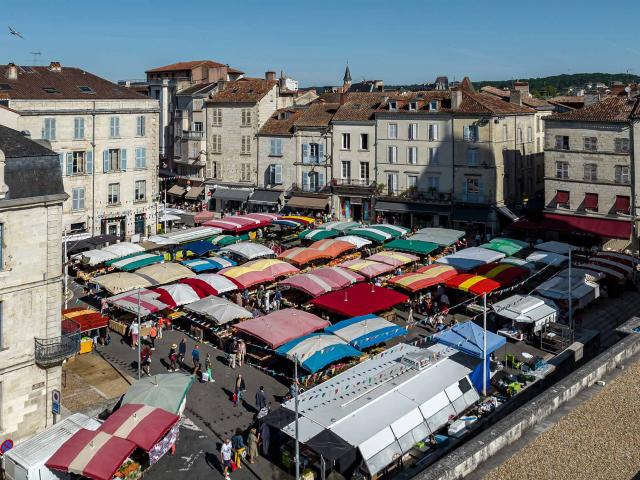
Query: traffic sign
(55, 402)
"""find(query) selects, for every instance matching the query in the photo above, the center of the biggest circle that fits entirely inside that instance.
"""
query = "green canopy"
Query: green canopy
(507, 246)
(318, 234)
(166, 391)
(441, 236)
(412, 246)
(339, 226)
(134, 261)
(370, 234)
(226, 240)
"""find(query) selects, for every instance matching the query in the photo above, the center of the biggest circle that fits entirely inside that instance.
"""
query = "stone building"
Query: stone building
(106, 137)
(31, 343)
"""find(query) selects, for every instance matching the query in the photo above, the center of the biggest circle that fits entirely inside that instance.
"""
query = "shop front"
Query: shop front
(229, 198)
(413, 214)
(357, 209)
(264, 200)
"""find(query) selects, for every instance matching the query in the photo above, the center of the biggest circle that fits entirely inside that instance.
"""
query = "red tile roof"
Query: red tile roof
(528, 100)
(174, 67)
(317, 115)
(62, 85)
(609, 109)
(276, 125)
(244, 90)
(485, 103)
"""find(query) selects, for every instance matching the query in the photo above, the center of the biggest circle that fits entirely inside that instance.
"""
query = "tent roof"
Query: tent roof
(368, 268)
(184, 236)
(505, 245)
(148, 301)
(120, 282)
(177, 294)
(317, 350)
(470, 258)
(360, 299)
(163, 273)
(206, 264)
(395, 259)
(548, 258)
(476, 284)
(365, 331)
(303, 255)
(339, 226)
(221, 310)
(442, 236)
(166, 391)
(556, 247)
(211, 283)
(282, 326)
(468, 338)
(199, 247)
(355, 240)
(135, 261)
(424, 277)
(249, 250)
(411, 245)
(86, 318)
(318, 234)
(332, 247)
(525, 308)
(503, 273)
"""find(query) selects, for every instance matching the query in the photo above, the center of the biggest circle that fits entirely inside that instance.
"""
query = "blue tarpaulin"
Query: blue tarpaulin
(199, 247)
(208, 264)
(317, 350)
(366, 330)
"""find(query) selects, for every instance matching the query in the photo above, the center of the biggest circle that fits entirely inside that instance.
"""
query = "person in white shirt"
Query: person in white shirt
(225, 457)
(133, 331)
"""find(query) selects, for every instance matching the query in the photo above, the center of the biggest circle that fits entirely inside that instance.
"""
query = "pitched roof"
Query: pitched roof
(485, 103)
(359, 106)
(174, 67)
(317, 115)
(244, 90)
(234, 70)
(196, 88)
(609, 109)
(567, 99)
(466, 85)
(422, 100)
(281, 122)
(528, 100)
(62, 85)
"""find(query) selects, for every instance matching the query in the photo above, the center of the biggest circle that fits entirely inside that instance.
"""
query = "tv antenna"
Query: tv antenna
(36, 56)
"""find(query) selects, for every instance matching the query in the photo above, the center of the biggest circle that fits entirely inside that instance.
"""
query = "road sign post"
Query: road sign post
(55, 404)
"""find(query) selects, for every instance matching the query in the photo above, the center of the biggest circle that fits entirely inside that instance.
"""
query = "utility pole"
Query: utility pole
(634, 226)
(164, 212)
(484, 344)
(295, 391)
(570, 296)
(139, 337)
(65, 272)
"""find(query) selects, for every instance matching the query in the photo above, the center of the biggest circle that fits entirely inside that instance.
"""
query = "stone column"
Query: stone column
(4, 189)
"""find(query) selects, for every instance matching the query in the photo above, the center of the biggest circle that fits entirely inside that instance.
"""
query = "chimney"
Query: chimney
(456, 98)
(591, 98)
(221, 85)
(522, 87)
(516, 97)
(3, 186)
(55, 67)
(342, 98)
(270, 75)
(12, 71)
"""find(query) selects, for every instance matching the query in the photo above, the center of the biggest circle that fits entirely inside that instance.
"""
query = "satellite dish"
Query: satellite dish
(627, 89)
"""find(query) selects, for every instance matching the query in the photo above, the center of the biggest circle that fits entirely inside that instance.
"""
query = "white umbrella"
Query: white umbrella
(221, 310)
(359, 242)
(249, 250)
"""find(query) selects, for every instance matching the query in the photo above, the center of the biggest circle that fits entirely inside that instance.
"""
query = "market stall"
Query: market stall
(339, 226)
(198, 247)
(332, 248)
(322, 280)
(301, 256)
(527, 312)
(504, 274)
(411, 245)
(395, 259)
(226, 240)
(167, 391)
(86, 318)
(211, 283)
(368, 268)
(303, 220)
(220, 310)
(475, 284)
(610, 271)
(547, 258)
(135, 261)
(258, 271)
(178, 294)
(239, 223)
(519, 262)
(444, 237)
(356, 241)
(424, 277)
(248, 250)
(316, 351)
(508, 246)
(184, 236)
(199, 265)
(366, 331)
(378, 233)
(163, 273)
(318, 234)
(140, 300)
(560, 248)
(360, 299)
(470, 258)
(111, 252)
(619, 257)
(557, 288)
(120, 282)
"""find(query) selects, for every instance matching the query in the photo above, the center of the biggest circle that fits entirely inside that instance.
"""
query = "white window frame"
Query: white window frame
(114, 127)
(345, 169)
(246, 117)
(433, 132)
(141, 126)
(412, 178)
(140, 186)
(392, 130)
(141, 157)
(216, 143)
(49, 128)
(245, 148)
(562, 169)
(346, 141)
(529, 134)
(392, 154)
(77, 199)
(275, 147)
(413, 131)
(245, 172)
(434, 154)
(590, 144)
(622, 174)
(78, 128)
(591, 172)
(505, 132)
(113, 193)
(412, 155)
(216, 117)
(365, 168)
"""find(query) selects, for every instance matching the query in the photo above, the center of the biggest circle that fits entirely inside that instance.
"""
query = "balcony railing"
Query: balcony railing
(192, 135)
(417, 195)
(353, 182)
(52, 351)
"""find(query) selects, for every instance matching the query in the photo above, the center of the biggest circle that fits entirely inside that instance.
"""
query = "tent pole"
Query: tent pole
(484, 345)
(139, 337)
(295, 391)
(570, 297)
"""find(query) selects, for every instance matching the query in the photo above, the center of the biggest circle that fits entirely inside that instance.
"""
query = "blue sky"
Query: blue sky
(406, 41)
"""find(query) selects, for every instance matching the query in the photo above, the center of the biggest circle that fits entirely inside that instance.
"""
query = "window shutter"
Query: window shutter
(105, 161)
(63, 170)
(435, 132)
(481, 186)
(466, 187)
(305, 181)
(305, 153)
(467, 132)
(278, 174)
(320, 180)
(273, 146)
(89, 158)
(320, 153)
(69, 163)
(123, 159)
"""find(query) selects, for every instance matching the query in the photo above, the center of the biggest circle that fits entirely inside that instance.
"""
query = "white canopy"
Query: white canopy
(249, 250)
(96, 257)
(184, 236)
(557, 288)
(181, 293)
(216, 281)
(168, 217)
(579, 275)
(120, 282)
(220, 310)
(602, 269)
(470, 258)
(548, 258)
(356, 241)
(111, 252)
(527, 309)
(556, 247)
(162, 273)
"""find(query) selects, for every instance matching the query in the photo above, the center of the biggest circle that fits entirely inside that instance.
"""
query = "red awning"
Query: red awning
(476, 284)
(282, 326)
(562, 196)
(203, 216)
(623, 204)
(86, 318)
(600, 227)
(591, 201)
(360, 299)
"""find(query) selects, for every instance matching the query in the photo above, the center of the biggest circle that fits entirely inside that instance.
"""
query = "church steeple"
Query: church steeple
(346, 81)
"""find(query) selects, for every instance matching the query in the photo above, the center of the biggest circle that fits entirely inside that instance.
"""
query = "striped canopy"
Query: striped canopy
(299, 218)
(283, 222)
(503, 273)
(356, 241)
(366, 331)
(303, 256)
(249, 250)
(368, 268)
(507, 246)
(395, 259)
(476, 284)
(413, 246)
(339, 226)
(318, 234)
(208, 264)
(220, 310)
(225, 240)
(332, 247)
(377, 233)
(137, 260)
(322, 280)
(424, 278)
(142, 300)
(258, 271)
(318, 350)
(211, 283)
(239, 223)
(178, 294)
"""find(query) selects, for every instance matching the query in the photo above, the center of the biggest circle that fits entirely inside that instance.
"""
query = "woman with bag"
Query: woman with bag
(240, 388)
(237, 442)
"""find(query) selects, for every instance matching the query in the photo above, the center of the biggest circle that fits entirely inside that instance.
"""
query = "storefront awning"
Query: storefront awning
(265, 197)
(411, 207)
(194, 193)
(231, 194)
(176, 190)
(311, 203)
(600, 227)
(471, 214)
(507, 212)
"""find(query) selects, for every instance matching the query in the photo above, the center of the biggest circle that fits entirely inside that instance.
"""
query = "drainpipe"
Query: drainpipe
(453, 170)
(634, 226)
(93, 171)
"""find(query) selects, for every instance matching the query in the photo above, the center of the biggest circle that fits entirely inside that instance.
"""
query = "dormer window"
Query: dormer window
(85, 89)
(413, 105)
(433, 106)
(393, 105)
(50, 89)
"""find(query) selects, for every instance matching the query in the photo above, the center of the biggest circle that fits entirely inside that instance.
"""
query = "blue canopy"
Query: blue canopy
(208, 264)
(317, 350)
(365, 331)
(199, 247)
(467, 337)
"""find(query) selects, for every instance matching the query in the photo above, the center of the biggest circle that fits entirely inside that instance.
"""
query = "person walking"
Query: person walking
(261, 399)
(252, 443)
(265, 439)
(145, 360)
(153, 333)
(173, 357)
(267, 301)
(133, 331)
(232, 353)
(160, 324)
(182, 351)
(240, 388)
(245, 297)
(260, 295)
(237, 442)
(207, 368)
(242, 352)
(195, 357)
(277, 299)
(225, 457)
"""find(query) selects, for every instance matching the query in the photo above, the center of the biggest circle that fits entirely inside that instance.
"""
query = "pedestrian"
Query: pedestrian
(225, 457)
(265, 439)
(261, 399)
(267, 301)
(252, 443)
(160, 324)
(277, 299)
(173, 357)
(245, 297)
(242, 352)
(260, 294)
(195, 357)
(153, 333)
(237, 442)
(233, 351)
(133, 331)
(104, 306)
(240, 388)
(239, 300)
(145, 360)
(182, 351)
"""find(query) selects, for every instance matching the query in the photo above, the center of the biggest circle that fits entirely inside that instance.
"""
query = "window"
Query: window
(562, 169)
(393, 105)
(529, 134)
(213, 169)
(77, 199)
(412, 181)
(472, 157)
(519, 133)
(139, 223)
(472, 187)
(621, 145)
(346, 141)
(76, 163)
(141, 157)
(392, 154)
(413, 131)
(434, 156)
(275, 147)
(140, 126)
(114, 127)
(590, 144)
(346, 170)
(392, 183)
(246, 145)
(246, 117)
(275, 174)
(49, 130)
(312, 181)
(392, 130)
(433, 132)
(364, 172)
(412, 155)
(78, 128)
(140, 190)
(114, 159)
(562, 142)
(114, 194)
(1, 252)
(622, 174)
(216, 143)
(471, 133)
(312, 153)
(562, 199)
(413, 105)
(216, 117)
(505, 133)
(85, 89)
(245, 172)
(433, 106)
(591, 171)
(197, 126)
(622, 205)
(433, 184)
(591, 201)
(364, 141)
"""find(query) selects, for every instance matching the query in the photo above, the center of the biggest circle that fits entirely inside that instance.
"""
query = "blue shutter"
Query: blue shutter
(277, 174)
(61, 157)
(305, 181)
(273, 146)
(305, 153)
(320, 180)
(467, 132)
(123, 159)
(105, 161)
(320, 153)
(143, 153)
(69, 163)
(89, 159)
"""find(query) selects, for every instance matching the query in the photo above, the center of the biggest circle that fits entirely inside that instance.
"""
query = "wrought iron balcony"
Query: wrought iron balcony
(353, 182)
(192, 135)
(52, 351)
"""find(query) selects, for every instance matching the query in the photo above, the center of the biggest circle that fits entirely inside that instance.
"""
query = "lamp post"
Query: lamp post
(139, 337)
(295, 396)
(484, 344)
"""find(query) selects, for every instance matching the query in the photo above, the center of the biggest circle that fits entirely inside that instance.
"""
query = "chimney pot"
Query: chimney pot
(270, 75)
(522, 87)
(515, 97)
(456, 98)
(12, 71)
(55, 67)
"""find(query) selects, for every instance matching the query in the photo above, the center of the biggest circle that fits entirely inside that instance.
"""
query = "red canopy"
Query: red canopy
(603, 227)
(238, 223)
(332, 247)
(203, 216)
(87, 319)
(360, 299)
(282, 326)
(503, 273)
(476, 284)
(141, 424)
(93, 454)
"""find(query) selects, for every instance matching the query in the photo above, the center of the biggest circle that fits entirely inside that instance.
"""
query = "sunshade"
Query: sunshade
(135, 261)
(263, 217)
(148, 302)
(283, 222)
(442, 236)
(620, 257)
(322, 280)
(86, 318)
(168, 217)
(92, 454)
(203, 216)
(316, 351)
(610, 272)
(412, 246)
(141, 424)
(395, 259)
(258, 271)
(96, 257)
(318, 234)
(507, 246)
(476, 284)
(221, 310)
(387, 227)
(548, 258)
(469, 338)
(338, 276)
(356, 241)
(184, 236)
(503, 273)
(360, 299)
(377, 235)
(199, 247)
(556, 247)
(368, 268)
(111, 252)
(211, 283)
(616, 264)
(165, 273)
(120, 282)
(166, 391)
(282, 326)
(330, 446)
(299, 218)
(425, 277)
(526, 309)
(178, 294)
(225, 240)
(249, 250)
(332, 247)
(366, 331)
(206, 264)
(339, 226)
(470, 258)
(519, 262)
(239, 223)
(303, 256)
